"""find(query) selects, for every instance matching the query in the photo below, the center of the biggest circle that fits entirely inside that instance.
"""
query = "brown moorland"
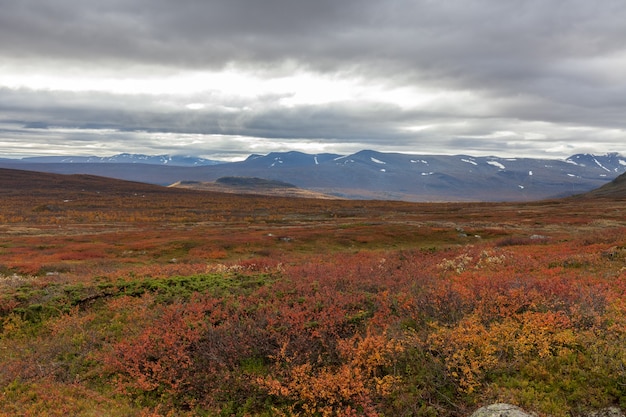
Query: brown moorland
(120, 298)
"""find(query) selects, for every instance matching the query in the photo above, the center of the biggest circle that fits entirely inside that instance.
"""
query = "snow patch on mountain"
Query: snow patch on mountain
(496, 164)
(600, 165)
(347, 161)
(469, 161)
(377, 161)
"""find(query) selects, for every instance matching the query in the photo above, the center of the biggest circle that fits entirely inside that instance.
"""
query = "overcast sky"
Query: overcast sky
(223, 79)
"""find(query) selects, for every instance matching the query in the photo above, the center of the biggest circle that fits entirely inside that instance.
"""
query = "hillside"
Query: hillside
(21, 182)
(616, 189)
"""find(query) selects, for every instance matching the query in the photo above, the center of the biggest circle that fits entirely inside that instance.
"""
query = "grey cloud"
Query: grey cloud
(557, 64)
(344, 121)
(140, 121)
(458, 40)
(453, 39)
(197, 33)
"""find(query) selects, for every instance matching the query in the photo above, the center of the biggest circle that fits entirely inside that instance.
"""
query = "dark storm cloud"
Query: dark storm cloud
(172, 33)
(549, 70)
(464, 41)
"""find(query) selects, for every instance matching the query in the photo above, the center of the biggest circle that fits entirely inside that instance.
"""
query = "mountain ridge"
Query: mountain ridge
(130, 158)
(370, 174)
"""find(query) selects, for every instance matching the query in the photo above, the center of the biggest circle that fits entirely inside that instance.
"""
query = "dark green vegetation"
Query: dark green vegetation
(253, 182)
(121, 299)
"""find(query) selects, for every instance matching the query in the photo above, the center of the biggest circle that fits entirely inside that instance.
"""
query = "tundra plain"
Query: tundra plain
(122, 299)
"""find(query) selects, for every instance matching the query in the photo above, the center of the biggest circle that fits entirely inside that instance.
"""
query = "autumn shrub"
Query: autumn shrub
(48, 398)
(365, 375)
(158, 359)
(366, 309)
(191, 356)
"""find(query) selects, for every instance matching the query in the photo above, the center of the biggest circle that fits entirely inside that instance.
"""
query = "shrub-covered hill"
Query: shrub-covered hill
(21, 183)
(614, 189)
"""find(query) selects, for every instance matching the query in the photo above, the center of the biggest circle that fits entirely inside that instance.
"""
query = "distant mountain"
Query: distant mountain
(611, 162)
(374, 175)
(125, 158)
(288, 159)
(370, 174)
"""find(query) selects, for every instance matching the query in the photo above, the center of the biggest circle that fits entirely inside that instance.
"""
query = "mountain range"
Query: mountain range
(125, 158)
(366, 174)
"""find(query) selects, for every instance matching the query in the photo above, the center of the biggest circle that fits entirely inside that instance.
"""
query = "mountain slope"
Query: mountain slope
(386, 176)
(24, 183)
(610, 162)
(616, 189)
(370, 174)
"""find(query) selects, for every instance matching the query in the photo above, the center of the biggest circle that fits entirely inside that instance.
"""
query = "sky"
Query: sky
(226, 78)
